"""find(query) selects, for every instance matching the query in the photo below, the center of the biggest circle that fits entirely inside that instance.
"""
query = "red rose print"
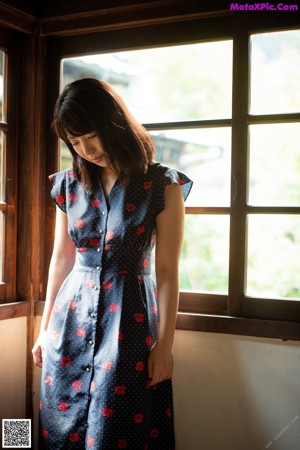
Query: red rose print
(120, 390)
(154, 433)
(80, 331)
(45, 433)
(74, 437)
(90, 441)
(72, 197)
(82, 250)
(95, 203)
(59, 199)
(149, 340)
(140, 230)
(109, 235)
(122, 443)
(139, 317)
(153, 386)
(107, 365)
(154, 309)
(72, 304)
(65, 361)
(106, 284)
(55, 334)
(76, 385)
(147, 185)
(139, 366)
(120, 336)
(114, 307)
(94, 242)
(57, 308)
(93, 385)
(90, 284)
(153, 239)
(155, 293)
(51, 177)
(130, 207)
(41, 405)
(79, 223)
(63, 406)
(123, 272)
(107, 412)
(49, 380)
(70, 174)
(181, 182)
(138, 418)
(140, 279)
(106, 248)
(146, 263)
(169, 412)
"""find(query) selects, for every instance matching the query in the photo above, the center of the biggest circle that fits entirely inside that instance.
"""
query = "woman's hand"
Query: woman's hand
(160, 363)
(38, 349)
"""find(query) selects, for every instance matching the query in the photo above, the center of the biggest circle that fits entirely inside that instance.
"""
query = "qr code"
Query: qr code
(16, 433)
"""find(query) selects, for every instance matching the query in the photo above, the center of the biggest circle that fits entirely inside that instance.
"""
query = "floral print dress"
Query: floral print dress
(94, 382)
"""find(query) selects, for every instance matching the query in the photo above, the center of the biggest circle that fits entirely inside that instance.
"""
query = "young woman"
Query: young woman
(106, 364)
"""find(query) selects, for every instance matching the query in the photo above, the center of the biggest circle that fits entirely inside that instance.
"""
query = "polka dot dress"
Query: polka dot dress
(94, 382)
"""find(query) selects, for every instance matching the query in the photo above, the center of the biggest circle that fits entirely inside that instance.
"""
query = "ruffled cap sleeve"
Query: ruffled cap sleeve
(171, 176)
(58, 191)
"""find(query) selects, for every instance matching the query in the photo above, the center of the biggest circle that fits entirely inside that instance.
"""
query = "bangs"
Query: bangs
(72, 121)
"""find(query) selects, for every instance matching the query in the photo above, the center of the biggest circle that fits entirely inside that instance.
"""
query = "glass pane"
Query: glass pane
(273, 256)
(2, 54)
(1, 244)
(205, 254)
(186, 82)
(275, 72)
(204, 155)
(275, 165)
(1, 167)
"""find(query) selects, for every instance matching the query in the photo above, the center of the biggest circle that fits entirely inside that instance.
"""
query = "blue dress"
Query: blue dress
(94, 382)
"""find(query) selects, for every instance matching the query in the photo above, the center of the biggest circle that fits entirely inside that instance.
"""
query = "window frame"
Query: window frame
(235, 313)
(9, 206)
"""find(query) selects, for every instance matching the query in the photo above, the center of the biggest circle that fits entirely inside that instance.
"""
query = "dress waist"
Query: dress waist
(134, 264)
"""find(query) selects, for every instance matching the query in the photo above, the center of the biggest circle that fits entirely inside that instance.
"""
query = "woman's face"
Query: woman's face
(89, 147)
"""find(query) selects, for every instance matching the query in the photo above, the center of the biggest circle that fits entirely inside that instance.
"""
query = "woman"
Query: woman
(106, 364)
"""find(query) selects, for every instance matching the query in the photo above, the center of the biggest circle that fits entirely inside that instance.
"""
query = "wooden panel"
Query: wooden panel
(17, 20)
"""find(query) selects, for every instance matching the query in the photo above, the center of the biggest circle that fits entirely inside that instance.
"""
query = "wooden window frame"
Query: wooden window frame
(9, 127)
(235, 313)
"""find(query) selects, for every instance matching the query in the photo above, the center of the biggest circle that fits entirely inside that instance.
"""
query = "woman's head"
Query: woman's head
(89, 107)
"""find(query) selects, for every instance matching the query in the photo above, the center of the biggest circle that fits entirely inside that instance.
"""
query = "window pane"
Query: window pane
(275, 165)
(1, 244)
(273, 256)
(204, 155)
(186, 82)
(275, 72)
(2, 54)
(205, 254)
(1, 166)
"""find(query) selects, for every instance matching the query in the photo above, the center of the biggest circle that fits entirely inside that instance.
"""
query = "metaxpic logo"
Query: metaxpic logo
(263, 7)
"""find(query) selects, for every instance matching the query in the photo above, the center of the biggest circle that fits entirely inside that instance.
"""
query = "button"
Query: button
(85, 424)
(103, 213)
(88, 368)
(101, 231)
(98, 268)
(93, 314)
(90, 342)
(98, 249)
(90, 398)
(96, 288)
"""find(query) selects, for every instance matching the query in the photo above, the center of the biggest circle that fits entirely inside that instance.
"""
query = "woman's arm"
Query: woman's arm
(62, 261)
(169, 237)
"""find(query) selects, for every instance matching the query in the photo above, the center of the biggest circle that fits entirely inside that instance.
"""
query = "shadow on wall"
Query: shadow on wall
(236, 393)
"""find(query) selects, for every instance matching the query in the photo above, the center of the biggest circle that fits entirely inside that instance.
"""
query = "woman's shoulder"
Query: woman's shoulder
(62, 175)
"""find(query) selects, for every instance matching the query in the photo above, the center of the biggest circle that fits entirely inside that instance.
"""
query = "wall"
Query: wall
(13, 342)
(231, 392)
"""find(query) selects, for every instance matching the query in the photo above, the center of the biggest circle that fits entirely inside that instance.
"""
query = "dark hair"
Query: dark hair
(90, 105)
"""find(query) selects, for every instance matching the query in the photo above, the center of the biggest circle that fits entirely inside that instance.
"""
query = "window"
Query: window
(224, 108)
(3, 206)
